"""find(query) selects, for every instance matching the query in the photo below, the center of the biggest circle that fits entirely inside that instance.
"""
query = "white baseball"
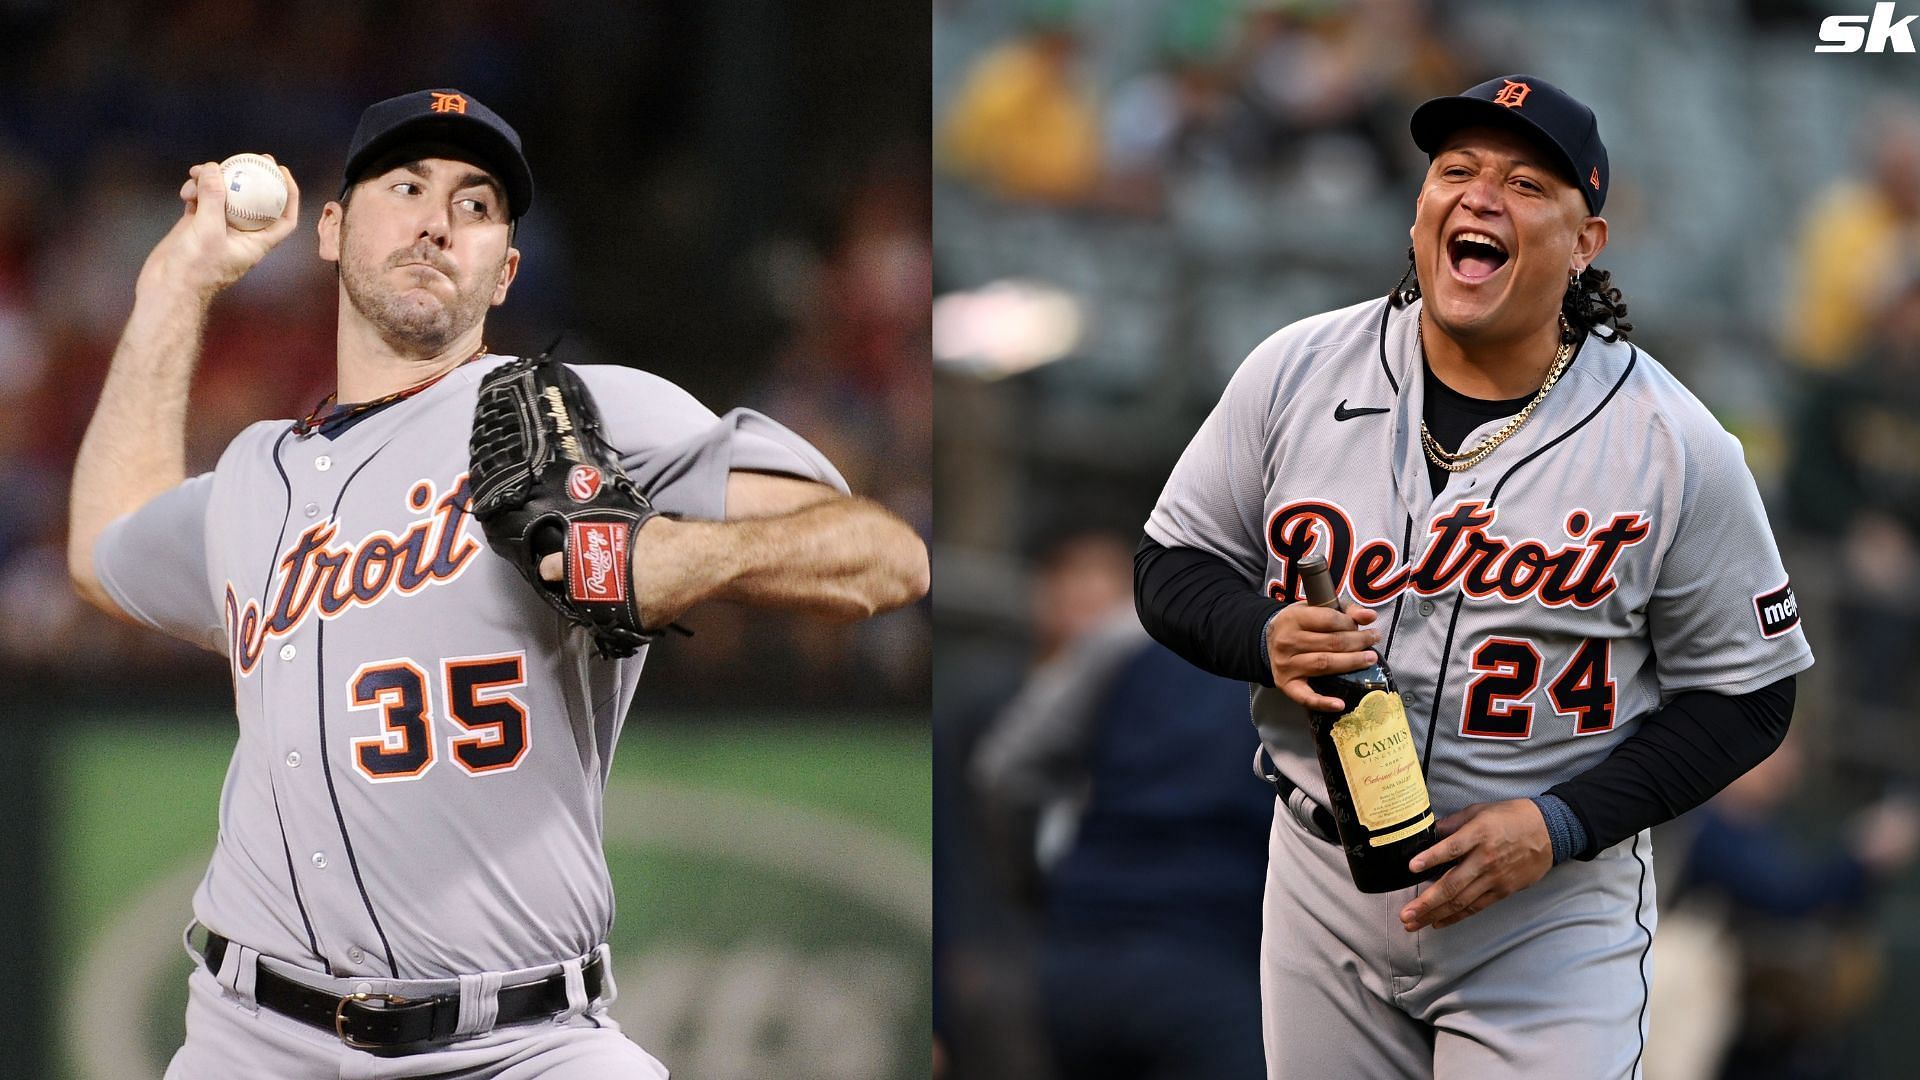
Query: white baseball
(256, 192)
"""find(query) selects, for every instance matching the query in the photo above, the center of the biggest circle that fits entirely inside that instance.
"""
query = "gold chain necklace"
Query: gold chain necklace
(1467, 459)
(326, 412)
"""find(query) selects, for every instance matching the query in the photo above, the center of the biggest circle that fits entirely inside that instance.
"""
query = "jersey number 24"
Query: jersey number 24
(1507, 671)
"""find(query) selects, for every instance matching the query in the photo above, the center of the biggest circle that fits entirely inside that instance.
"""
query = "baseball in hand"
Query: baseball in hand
(256, 192)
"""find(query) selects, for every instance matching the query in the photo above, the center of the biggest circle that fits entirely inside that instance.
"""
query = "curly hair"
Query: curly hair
(1592, 301)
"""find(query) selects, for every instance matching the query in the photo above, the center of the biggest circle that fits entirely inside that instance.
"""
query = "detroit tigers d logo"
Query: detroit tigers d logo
(1513, 94)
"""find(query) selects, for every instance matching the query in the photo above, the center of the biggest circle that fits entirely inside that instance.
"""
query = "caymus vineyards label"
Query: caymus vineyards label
(1376, 790)
(1383, 771)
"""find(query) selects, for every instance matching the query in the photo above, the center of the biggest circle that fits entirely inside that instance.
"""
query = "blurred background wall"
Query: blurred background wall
(1129, 197)
(734, 196)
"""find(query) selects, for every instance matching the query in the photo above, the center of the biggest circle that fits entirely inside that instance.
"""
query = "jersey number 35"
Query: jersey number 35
(478, 696)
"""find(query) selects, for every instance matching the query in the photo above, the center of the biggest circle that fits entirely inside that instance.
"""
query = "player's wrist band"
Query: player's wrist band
(386, 1023)
(1563, 827)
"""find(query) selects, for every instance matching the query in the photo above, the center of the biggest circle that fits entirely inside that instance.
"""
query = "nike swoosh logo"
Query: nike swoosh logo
(1341, 412)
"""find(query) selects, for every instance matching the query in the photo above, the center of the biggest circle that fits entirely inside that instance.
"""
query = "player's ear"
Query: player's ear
(328, 229)
(509, 267)
(1589, 242)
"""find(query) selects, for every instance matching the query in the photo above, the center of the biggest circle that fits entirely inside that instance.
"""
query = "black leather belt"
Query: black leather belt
(397, 1025)
(1318, 820)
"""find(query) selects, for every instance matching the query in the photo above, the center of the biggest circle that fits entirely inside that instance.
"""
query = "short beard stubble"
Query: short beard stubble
(414, 324)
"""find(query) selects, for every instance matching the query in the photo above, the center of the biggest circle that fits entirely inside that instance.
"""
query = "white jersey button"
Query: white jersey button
(363, 988)
(354, 954)
(323, 463)
(1426, 607)
(311, 509)
(286, 652)
(319, 860)
(293, 759)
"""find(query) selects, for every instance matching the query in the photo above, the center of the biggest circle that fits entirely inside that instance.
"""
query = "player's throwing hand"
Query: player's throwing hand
(202, 253)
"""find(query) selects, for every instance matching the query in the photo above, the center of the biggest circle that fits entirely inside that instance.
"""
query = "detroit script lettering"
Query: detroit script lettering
(315, 574)
(1464, 551)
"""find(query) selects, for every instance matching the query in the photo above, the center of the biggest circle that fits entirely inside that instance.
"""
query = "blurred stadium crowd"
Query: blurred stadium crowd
(725, 200)
(1127, 199)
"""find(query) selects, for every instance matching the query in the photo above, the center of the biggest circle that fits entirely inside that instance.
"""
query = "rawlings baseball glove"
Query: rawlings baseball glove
(545, 480)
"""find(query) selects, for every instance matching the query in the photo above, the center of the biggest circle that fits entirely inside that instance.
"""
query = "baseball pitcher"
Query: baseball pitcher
(435, 593)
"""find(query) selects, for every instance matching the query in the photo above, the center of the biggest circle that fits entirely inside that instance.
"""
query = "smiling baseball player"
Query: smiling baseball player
(409, 877)
(1565, 561)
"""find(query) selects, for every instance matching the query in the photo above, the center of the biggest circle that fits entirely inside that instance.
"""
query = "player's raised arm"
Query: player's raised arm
(135, 446)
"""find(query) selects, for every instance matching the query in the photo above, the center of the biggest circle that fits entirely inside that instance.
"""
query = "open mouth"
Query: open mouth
(1475, 255)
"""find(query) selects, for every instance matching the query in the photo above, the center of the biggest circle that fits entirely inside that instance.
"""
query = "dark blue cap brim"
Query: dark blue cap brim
(491, 150)
(1439, 118)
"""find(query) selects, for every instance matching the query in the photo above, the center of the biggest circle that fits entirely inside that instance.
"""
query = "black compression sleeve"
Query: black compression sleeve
(1200, 607)
(1680, 757)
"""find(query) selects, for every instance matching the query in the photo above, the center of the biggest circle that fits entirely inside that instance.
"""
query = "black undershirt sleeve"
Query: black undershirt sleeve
(1199, 606)
(1680, 757)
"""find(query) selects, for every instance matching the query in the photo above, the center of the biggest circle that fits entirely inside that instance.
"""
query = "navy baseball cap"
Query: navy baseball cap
(1533, 107)
(443, 116)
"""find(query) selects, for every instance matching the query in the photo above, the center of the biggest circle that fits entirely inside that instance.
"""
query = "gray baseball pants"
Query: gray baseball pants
(1549, 982)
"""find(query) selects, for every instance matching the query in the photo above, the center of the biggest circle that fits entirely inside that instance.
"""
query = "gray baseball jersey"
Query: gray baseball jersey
(1611, 554)
(423, 743)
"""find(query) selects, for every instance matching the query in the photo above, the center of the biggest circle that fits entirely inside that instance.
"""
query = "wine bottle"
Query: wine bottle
(1372, 766)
